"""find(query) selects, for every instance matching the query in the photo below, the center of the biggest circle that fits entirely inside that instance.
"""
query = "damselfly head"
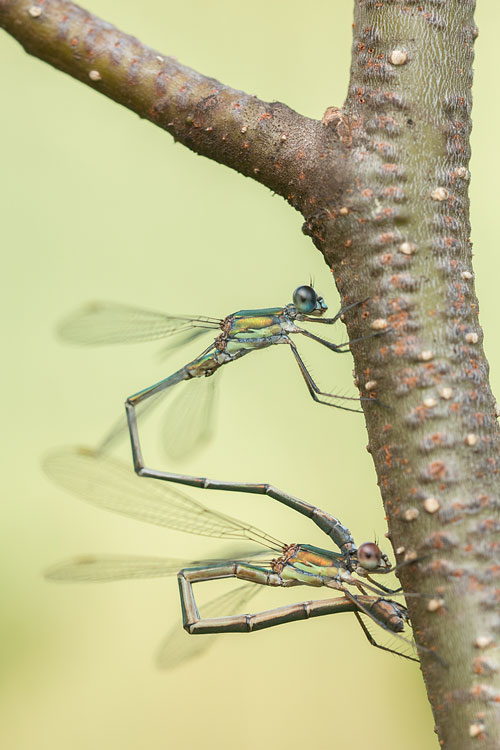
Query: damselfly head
(369, 556)
(308, 302)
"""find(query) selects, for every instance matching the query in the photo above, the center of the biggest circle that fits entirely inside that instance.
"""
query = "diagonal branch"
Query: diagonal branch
(261, 140)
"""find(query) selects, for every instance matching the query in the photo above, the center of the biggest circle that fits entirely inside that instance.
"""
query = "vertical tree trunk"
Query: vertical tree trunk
(400, 236)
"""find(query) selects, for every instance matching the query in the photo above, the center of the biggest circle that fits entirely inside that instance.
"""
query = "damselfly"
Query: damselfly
(107, 483)
(240, 333)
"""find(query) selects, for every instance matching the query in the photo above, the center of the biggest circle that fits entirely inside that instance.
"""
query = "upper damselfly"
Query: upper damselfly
(239, 334)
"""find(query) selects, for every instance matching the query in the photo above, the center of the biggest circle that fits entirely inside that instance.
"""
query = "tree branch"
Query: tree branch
(266, 141)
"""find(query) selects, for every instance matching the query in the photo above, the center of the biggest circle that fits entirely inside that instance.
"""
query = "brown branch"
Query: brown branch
(383, 188)
(265, 141)
(401, 238)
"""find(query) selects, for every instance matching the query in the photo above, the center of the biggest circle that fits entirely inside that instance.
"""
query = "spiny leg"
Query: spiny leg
(373, 642)
(337, 348)
(329, 321)
(382, 588)
(367, 611)
(318, 395)
(394, 569)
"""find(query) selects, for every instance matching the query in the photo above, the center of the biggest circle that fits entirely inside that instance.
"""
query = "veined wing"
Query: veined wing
(188, 420)
(184, 338)
(97, 568)
(114, 568)
(402, 645)
(110, 484)
(114, 323)
(178, 646)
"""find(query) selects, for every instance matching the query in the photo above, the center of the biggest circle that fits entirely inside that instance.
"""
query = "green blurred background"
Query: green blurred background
(99, 204)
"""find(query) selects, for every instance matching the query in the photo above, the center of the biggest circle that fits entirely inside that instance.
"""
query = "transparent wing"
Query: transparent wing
(120, 430)
(188, 421)
(94, 568)
(184, 338)
(178, 646)
(114, 568)
(402, 645)
(113, 323)
(110, 484)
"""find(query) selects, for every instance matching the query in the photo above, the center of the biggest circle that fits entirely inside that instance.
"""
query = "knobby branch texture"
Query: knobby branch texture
(382, 185)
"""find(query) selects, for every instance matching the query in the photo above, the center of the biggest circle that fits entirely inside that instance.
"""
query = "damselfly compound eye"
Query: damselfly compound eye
(304, 299)
(369, 556)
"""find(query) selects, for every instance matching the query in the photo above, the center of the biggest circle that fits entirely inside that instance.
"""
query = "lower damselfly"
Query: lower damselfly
(242, 332)
(109, 484)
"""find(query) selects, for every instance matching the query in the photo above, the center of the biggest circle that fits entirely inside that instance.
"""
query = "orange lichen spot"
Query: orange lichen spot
(183, 89)
(478, 667)
(437, 470)
(411, 382)
(236, 105)
(400, 348)
(265, 116)
(387, 452)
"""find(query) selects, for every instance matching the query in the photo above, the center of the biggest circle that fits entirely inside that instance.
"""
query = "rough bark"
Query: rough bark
(382, 185)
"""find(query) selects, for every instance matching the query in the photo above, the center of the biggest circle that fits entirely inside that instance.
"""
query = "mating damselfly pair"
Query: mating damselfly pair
(104, 482)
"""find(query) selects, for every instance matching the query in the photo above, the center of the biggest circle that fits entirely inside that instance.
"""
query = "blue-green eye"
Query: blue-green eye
(304, 299)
